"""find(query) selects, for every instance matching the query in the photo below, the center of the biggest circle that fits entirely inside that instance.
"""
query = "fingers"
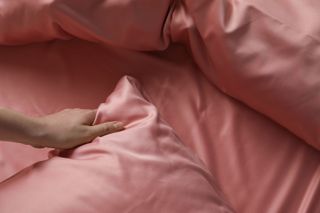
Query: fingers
(91, 114)
(88, 116)
(105, 128)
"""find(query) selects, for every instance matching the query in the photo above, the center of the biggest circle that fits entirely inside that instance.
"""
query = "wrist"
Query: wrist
(37, 132)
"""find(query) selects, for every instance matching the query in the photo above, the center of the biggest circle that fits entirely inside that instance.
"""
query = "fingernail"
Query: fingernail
(118, 125)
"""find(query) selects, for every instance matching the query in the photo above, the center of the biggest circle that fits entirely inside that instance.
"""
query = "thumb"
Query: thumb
(105, 128)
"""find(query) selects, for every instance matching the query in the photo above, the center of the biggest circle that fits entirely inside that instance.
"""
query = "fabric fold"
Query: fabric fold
(144, 168)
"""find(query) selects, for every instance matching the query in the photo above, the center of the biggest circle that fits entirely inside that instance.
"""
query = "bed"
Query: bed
(233, 84)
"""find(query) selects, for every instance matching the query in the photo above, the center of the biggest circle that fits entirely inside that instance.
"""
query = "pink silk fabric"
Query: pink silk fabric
(237, 80)
(144, 168)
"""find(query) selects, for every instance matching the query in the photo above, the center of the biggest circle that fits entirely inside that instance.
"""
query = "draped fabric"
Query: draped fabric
(237, 80)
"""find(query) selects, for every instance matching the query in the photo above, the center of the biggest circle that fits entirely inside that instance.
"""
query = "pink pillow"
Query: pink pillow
(144, 168)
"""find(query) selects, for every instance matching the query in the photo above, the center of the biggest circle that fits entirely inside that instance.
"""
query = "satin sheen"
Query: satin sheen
(237, 80)
(144, 168)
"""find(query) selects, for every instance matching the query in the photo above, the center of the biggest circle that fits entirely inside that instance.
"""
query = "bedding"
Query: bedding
(144, 168)
(242, 41)
(260, 56)
(237, 80)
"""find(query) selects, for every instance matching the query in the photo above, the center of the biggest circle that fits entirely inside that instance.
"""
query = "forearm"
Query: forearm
(18, 128)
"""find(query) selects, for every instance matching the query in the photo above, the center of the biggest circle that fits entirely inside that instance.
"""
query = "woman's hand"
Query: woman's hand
(62, 130)
(72, 127)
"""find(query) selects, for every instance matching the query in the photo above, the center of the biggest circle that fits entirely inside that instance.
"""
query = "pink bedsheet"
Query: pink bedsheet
(237, 80)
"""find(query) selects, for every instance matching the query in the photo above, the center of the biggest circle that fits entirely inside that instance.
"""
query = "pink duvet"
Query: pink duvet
(237, 80)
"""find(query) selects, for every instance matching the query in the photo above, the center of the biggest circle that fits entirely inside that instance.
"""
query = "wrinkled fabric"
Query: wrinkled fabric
(254, 52)
(251, 45)
(237, 80)
(144, 168)
(97, 21)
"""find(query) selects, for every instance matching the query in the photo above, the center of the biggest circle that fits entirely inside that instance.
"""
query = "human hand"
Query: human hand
(70, 128)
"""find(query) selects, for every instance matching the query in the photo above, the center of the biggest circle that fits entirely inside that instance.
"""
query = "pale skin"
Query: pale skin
(66, 129)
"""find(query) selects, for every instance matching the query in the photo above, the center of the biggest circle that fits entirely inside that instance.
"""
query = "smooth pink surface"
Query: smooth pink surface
(144, 168)
(262, 53)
